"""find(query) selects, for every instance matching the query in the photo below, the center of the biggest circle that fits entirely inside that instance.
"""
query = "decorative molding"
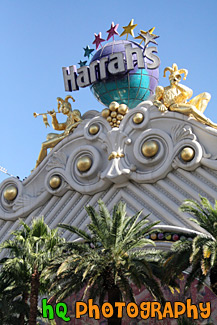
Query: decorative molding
(25, 200)
(171, 132)
(57, 160)
(181, 132)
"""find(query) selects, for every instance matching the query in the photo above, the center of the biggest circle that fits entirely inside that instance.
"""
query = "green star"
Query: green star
(87, 51)
(82, 63)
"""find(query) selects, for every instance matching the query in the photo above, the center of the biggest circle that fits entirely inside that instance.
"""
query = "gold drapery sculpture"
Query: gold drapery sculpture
(174, 97)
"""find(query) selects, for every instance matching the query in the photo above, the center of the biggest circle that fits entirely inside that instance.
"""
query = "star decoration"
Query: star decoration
(82, 63)
(112, 31)
(98, 40)
(150, 31)
(129, 29)
(87, 51)
(148, 38)
(140, 37)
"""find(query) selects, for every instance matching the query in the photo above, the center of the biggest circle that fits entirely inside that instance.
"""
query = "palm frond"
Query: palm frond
(105, 216)
(75, 230)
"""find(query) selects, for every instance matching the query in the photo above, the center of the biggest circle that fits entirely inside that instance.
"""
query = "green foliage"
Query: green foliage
(11, 303)
(29, 248)
(201, 253)
(110, 255)
(186, 321)
(175, 261)
(204, 246)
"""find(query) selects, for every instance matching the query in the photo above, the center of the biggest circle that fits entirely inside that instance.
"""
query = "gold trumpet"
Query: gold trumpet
(60, 103)
(44, 115)
(37, 114)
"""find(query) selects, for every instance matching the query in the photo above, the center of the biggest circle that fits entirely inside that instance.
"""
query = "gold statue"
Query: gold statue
(73, 119)
(174, 97)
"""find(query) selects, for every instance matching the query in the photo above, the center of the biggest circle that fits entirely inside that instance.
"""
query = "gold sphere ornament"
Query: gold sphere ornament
(187, 154)
(123, 109)
(138, 118)
(120, 117)
(84, 163)
(113, 114)
(93, 129)
(105, 113)
(150, 148)
(109, 118)
(113, 106)
(55, 182)
(10, 192)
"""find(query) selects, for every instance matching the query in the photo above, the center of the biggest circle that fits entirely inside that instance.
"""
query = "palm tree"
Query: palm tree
(15, 279)
(204, 247)
(201, 253)
(30, 250)
(43, 247)
(107, 259)
(13, 310)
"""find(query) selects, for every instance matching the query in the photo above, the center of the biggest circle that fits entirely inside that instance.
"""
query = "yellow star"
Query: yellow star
(129, 29)
(140, 37)
(150, 31)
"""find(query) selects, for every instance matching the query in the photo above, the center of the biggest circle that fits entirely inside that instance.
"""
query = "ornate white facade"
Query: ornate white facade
(158, 185)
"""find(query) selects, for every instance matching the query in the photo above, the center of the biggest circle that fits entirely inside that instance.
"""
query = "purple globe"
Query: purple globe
(129, 87)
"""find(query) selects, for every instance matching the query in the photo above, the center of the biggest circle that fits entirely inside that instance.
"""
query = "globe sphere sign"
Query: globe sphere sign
(123, 71)
(131, 86)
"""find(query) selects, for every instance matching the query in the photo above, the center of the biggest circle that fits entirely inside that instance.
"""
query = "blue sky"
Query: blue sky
(38, 38)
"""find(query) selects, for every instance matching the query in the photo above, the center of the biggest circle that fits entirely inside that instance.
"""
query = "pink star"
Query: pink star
(98, 40)
(112, 31)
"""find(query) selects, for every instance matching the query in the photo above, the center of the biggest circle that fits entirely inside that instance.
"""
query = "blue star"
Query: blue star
(87, 51)
(82, 63)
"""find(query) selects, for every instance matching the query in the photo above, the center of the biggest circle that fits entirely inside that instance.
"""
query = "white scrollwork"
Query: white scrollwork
(181, 131)
(64, 186)
(183, 137)
(127, 125)
(12, 181)
(103, 125)
(57, 160)
(171, 132)
(22, 202)
(150, 169)
(85, 181)
(25, 199)
(196, 160)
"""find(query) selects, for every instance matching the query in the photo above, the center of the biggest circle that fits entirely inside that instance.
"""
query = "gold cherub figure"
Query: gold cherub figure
(174, 97)
(73, 119)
